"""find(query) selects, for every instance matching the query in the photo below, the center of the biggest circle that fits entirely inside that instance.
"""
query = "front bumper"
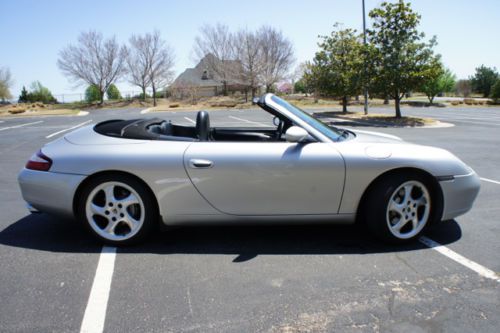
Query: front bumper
(459, 194)
(49, 192)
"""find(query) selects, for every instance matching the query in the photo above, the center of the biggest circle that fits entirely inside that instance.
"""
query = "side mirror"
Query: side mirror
(296, 134)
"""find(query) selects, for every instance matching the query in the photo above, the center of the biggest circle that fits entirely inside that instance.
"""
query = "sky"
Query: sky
(32, 33)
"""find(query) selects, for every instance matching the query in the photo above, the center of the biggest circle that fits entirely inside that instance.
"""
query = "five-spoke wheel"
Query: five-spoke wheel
(399, 207)
(117, 209)
(408, 209)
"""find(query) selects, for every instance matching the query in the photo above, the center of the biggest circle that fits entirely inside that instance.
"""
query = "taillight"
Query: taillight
(39, 162)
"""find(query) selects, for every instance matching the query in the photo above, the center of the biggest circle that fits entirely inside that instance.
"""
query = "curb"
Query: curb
(349, 121)
(82, 113)
(439, 124)
(146, 111)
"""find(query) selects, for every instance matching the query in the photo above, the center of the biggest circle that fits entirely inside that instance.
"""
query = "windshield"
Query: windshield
(330, 132)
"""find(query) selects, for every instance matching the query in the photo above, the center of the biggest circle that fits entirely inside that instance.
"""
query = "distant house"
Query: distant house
(201, 81)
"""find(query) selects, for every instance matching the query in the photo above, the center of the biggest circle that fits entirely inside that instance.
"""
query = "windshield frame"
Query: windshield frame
(315, 127)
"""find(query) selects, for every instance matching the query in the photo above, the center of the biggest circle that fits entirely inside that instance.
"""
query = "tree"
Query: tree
(440, 80)
(214, 46)
(401, 60)
(338, 66)
(299, 86)
(6, 83)
(297, 75)
(463, 87)
(248, 51)
(92, 93)
(94, 61)
(495, 92)
(162, 61)
(138, 62)
(447, 81)
(484, 79)
(277, 55)
(23, 98)
(39, 93)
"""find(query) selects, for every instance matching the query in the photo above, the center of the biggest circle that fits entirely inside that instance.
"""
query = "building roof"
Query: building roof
(201, 75)
(193, 77)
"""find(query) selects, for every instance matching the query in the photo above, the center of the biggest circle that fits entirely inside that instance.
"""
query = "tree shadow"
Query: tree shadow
(46, 233)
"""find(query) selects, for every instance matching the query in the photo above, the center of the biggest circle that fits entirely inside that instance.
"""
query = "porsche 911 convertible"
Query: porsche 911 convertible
(122, 178)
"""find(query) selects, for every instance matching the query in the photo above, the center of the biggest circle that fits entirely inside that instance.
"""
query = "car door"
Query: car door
(267, 178)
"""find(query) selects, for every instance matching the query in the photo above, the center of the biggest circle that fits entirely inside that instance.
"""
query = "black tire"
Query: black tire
(145, 211)
(383, 221)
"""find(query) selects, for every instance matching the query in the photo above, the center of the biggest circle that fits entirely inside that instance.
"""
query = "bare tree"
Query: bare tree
(297, 74)
(5, 83)
(94, 61)
(138, 63)
(162, 61)
(277, 55)
(248, 51)
(214, 45)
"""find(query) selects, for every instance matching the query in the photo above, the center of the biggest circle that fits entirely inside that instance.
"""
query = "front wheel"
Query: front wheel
(118, 210)
(399, 208)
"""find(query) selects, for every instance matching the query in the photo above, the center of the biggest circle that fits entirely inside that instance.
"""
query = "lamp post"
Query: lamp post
(364, 42)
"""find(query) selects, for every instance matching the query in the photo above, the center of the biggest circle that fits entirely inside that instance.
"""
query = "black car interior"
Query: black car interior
(158, 129)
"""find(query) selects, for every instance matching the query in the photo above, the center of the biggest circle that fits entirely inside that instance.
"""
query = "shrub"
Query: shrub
(141, 96)
(37, 93)
(113, 92)
(92, 94)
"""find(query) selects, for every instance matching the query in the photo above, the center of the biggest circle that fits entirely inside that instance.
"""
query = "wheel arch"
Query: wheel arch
(89, 178)
(432, 182)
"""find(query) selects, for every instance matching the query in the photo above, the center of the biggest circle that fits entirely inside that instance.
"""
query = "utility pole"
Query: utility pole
(364, 42)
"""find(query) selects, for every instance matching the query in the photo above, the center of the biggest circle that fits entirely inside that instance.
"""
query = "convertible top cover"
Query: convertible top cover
(145, 129)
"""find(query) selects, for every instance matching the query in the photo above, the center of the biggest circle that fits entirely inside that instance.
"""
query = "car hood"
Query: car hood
(392, 152)
(375, 137)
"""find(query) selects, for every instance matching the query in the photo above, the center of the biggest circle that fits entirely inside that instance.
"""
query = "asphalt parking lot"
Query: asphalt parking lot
(253, 279)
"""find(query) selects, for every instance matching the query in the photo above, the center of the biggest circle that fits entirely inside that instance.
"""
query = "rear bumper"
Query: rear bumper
(49, 192)
(459, 194)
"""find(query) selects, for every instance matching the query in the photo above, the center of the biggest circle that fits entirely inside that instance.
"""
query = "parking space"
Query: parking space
(248, 279)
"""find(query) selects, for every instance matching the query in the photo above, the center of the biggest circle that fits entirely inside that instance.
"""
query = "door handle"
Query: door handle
(198, 163)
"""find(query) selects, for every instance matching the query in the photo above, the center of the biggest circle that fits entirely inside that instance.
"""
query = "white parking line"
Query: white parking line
(190, 120)
(249, 121)
(17, 126)
(481, 270)
(490, 181)
(68, 129)
(95, 313)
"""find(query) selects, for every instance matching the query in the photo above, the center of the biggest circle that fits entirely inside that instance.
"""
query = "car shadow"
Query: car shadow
(47, 233)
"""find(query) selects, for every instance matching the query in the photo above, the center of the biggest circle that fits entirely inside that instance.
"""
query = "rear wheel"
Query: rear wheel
(118, 210)
(399, 208)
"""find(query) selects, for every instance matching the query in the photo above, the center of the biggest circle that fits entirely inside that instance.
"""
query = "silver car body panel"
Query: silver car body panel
(259, 182)
(459, 194)
(268, 178)
(49, 191)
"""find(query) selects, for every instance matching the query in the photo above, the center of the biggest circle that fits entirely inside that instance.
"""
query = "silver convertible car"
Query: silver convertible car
(120, 178)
